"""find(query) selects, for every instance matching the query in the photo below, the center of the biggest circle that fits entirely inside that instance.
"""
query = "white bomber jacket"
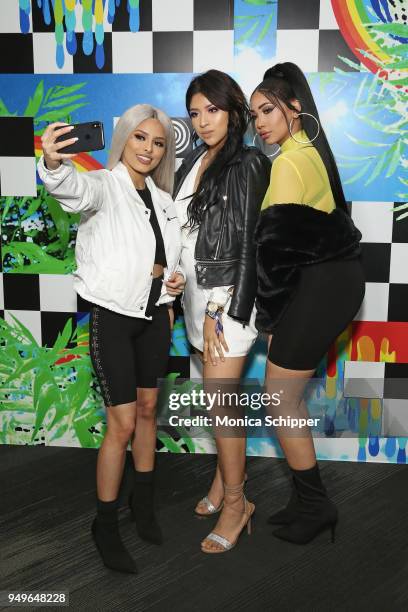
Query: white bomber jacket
(115, 245)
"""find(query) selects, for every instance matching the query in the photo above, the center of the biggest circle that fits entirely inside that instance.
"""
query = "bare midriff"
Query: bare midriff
(158, 270)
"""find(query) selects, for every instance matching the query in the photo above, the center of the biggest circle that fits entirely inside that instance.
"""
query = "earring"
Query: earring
(304, 141)
(271, 154)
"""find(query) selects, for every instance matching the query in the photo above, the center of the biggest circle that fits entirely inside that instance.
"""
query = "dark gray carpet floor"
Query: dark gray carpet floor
(47, 506)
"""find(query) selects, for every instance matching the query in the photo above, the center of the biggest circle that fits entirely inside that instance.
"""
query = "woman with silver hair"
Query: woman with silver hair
(127, 253)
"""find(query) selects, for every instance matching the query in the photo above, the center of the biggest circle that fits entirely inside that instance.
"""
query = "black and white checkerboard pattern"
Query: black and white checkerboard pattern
(385, 382)
(44, 301)
(308, 34)
(385, 257)
(174, 36)
(17, 160)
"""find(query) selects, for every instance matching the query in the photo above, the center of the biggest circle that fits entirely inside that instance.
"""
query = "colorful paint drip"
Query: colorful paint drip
(25, 9)
(63, 13)
(133, 10)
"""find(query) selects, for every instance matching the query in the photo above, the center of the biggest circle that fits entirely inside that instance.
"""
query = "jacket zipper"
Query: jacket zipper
(219, 261)
(222, 227)
(225, 198)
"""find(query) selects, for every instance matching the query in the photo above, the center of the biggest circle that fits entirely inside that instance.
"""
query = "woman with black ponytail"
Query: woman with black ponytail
(310, 278)
(218, 193)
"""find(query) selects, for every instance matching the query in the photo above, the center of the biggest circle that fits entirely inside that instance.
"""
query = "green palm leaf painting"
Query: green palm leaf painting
(50, 394)
(254, 28)
(38, 236)
(381, 105)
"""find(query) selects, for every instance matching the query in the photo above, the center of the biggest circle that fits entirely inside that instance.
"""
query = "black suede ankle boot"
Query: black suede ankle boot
(105, 532)
(288, 514)
(141, 503)
(314, 511)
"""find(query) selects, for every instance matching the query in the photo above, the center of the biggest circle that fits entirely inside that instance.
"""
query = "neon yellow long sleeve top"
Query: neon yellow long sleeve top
(299, 176)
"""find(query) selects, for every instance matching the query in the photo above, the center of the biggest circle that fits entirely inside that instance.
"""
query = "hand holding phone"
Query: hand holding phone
(89, 137)
(71, 139)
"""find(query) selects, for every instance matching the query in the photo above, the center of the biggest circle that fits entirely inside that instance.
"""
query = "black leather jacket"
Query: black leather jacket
(225, 250)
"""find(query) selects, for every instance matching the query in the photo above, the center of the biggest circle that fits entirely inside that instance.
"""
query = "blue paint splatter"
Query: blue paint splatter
(362, 455)
(59, 56)
(390, 447)
(134, 21)
(99, 34)
(100, 56)
(87, 43)
(378, 9)
(70, 20)
(46, 11)
(373, 446)
(24, 22)
(111, 11)
(401, 456)
(71, 43)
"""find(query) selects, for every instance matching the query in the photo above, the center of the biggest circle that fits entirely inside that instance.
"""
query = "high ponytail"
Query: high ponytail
(285, 82)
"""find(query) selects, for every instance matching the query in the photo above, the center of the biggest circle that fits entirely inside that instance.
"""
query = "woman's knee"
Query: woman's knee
(146, 407)
(121, 427)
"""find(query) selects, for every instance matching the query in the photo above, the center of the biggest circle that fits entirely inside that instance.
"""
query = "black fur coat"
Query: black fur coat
(289, 236)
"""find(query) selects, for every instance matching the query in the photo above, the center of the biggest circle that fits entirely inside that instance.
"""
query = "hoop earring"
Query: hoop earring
(271, 154)
(304, 141)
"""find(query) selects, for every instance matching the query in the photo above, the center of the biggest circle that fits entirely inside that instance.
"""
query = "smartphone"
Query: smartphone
(90, 138)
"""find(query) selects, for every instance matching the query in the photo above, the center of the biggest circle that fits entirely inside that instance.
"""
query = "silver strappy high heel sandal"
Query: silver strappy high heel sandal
(211, 509)
(249, 509)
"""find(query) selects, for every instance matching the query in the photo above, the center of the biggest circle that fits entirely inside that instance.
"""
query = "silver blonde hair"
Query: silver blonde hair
(163, 174)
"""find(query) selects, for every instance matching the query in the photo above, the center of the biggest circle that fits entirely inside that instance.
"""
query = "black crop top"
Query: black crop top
(160, 256)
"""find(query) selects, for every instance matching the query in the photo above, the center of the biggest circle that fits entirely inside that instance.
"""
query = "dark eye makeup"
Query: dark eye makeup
(212, 109)
(158, 143)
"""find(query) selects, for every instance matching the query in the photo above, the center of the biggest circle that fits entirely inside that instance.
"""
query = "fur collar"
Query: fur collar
(289, 236)
(300, 234)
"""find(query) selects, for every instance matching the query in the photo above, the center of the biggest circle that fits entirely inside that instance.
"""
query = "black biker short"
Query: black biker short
(327, 297)
(129, 352)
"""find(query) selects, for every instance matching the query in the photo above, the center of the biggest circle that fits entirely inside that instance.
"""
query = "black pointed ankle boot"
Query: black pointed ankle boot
(142, 507)
(288, 514)
(105, 532)
(315, 512)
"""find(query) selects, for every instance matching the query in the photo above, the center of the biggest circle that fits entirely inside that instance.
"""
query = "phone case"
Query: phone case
(90, 138)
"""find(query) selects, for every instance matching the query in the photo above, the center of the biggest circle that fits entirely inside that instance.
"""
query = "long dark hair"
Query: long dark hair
(285, 82)
(225, 93)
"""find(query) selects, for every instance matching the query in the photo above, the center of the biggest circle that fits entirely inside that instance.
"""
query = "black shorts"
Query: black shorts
(327, 298)
(128, 352)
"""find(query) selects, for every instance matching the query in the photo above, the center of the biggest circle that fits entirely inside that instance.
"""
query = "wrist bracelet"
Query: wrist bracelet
(214, 313)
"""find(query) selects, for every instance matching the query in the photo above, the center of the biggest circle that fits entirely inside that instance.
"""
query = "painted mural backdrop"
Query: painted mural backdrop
(77, 61)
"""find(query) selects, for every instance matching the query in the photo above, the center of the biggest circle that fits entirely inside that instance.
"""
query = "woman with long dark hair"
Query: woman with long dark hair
(218, 195)
(310, 277)
(127, 253)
